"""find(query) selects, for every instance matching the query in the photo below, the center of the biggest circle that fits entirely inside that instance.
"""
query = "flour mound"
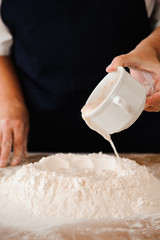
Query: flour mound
(84, 186)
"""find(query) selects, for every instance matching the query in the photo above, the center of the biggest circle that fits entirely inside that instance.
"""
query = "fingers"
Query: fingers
(20, 136)
(138, 59)
(117, 61)
(153, 101)
(13, 136)
(122, 60)
(151, 109)
(14, 127)
(0, 142)
(6, 145)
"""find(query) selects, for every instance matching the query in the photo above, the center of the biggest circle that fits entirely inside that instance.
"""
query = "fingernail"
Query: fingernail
(14, 162)
(107, 67)
(110, 69)
(2, 163)
(25, 154)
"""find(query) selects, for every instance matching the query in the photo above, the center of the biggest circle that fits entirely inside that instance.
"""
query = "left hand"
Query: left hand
(144, 65)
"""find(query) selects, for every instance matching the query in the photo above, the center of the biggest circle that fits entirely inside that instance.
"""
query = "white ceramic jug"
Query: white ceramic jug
(116, 102)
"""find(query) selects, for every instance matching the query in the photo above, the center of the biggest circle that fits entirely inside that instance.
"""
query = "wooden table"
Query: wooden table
(137, 229)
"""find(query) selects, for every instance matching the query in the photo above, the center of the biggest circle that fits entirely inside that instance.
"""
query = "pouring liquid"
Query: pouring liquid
(89, 108)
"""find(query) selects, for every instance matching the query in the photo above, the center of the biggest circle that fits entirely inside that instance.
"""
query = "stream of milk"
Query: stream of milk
(88, 108)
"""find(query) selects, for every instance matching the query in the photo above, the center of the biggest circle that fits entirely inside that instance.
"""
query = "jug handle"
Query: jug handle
(122, 103)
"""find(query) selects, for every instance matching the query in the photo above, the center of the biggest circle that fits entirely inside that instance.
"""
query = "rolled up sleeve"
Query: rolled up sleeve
(153, 10)
(6, 39)
(156, 15)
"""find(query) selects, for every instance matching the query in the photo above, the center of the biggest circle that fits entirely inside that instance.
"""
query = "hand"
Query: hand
(144, 65)
(14, 126)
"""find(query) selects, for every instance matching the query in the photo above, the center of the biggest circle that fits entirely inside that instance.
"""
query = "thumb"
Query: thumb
(123, 60)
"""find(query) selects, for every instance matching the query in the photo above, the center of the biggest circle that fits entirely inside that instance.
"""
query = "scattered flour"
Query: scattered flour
(78, 186)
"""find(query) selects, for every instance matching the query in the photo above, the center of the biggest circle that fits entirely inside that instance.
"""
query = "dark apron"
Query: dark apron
(61, 49)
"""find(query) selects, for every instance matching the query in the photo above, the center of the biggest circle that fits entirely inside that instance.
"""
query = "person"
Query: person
(53, 54)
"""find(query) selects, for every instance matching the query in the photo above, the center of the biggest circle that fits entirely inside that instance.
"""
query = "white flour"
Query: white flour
(74, 186)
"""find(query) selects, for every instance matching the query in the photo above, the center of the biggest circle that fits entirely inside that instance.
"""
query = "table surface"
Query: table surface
(136, 229)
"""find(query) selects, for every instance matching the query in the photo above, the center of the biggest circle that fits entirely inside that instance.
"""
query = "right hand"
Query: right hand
(14, 127)
(144, 66)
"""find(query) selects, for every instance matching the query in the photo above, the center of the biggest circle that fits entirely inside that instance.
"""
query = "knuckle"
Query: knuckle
(5, 123)
(119, 59)
(6, 144)
(18, 123)
(116, 59)
(18, 144)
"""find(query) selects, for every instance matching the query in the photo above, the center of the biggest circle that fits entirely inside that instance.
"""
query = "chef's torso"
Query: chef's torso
(61, 49)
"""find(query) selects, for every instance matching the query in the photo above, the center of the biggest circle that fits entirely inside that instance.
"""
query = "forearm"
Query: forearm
(14, 117)
(144, 65)
(9, 84)
(145, 56)
(153, 41)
